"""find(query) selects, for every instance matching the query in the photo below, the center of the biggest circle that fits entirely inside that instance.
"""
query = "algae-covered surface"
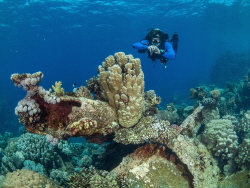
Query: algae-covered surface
(238, 180)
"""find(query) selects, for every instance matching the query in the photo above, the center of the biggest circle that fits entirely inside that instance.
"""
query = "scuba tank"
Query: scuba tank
(175, 40)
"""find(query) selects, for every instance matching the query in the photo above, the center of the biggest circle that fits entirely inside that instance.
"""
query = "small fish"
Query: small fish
(74, 84)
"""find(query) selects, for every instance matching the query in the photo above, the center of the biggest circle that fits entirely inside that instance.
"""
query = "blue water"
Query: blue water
(67, 40)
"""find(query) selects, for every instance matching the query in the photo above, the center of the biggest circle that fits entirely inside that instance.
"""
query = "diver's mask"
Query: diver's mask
(156, 41)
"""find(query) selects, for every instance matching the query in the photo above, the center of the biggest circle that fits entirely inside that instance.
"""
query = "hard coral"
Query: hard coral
(220, 137)
(148, 129)
(91, 177)
(215, 93)
(122, 85)
(83, 91)
(27, 179)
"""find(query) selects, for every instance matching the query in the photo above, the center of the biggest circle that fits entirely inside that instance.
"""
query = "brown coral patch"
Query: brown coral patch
(53, 117)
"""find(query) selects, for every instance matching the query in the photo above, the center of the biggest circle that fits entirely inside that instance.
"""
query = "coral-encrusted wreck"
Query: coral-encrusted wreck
(123, 110)
(62, 115)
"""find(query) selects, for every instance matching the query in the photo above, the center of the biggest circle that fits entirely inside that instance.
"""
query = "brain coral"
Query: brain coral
(27, 179)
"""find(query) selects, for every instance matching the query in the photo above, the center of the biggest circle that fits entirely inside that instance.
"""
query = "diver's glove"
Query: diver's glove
(154, 49)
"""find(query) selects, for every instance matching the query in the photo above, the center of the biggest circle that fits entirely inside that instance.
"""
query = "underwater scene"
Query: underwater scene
(125, 94)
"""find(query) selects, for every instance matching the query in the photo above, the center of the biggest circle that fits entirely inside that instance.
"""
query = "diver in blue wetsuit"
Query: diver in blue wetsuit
(157, 45)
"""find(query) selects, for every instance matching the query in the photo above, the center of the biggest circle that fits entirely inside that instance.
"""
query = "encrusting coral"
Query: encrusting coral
(148, 129)
(154, 166)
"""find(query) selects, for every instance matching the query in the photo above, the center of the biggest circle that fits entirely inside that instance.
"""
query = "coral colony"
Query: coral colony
(194, 146)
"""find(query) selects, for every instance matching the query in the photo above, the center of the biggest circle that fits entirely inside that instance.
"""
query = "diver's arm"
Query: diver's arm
(169, 51)
(143, 45)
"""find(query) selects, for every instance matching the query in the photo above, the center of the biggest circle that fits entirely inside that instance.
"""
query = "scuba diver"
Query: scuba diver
(157, 45)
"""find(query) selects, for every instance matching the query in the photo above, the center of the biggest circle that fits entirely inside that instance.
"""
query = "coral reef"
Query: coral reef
(238, 180)
(33, 166)
(152, 166)
(243, 126)
(40, 151)
(190, 151)
(195, 146)
(151, 102)
(83, 91)
(121, 82)
(223, 144)
(84, 155)
(243, 156)
(148, 129)
(215, 93)
(35, 153)
(26, 179)
(93, 178)
(171, 114)
(60, 177)
(198, 161)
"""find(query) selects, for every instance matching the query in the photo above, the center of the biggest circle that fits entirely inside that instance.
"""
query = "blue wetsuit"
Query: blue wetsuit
(142, 47)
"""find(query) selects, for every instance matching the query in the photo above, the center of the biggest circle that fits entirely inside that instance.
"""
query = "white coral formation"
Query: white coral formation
(243, 156)
(27, 106)
(27, 80)
(220, 137)
(53, 141)
(50, 99)
(122, 85)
